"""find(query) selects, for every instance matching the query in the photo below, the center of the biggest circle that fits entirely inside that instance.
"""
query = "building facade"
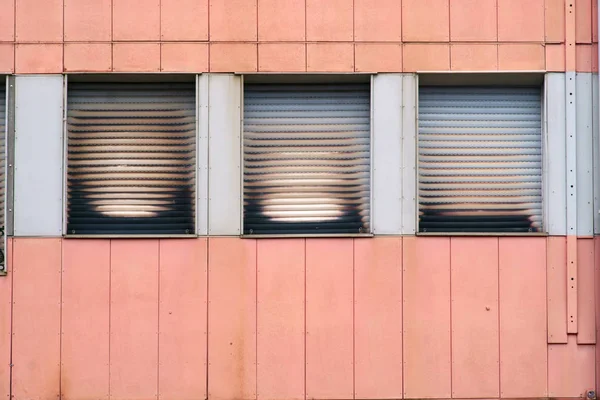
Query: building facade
(299, 199)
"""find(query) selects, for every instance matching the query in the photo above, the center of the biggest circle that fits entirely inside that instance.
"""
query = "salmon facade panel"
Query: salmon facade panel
(6, 324)
(281, 332)
(85, 322)
(36, 316)
(329, 319)
(426, 318)
(232, 319)
(475, 328)
(378, 318)
(523, 324)
(183, 319)
(134, 318)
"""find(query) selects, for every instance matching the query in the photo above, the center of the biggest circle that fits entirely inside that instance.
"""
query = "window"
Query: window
(307, 158)
(3, 175)
(131, 158)
(480, 159)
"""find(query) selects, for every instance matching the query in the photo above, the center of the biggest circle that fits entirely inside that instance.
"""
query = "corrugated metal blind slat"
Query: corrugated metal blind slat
(3, 177)
(306, 159)
(480, 159)
(131, 158)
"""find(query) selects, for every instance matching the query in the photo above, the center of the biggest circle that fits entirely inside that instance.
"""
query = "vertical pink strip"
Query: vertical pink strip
(570, 37)
(5, 322)
(597, 300)
(523, 355)
(183, 319)
(280, 319)
(426, 313)
(378, 317)
(329, 319)
(557, 289)
(474, 263)
(232, 319)
(36, 319)
(85, 319)
(572, 283)
(586, 310)
(134, 319)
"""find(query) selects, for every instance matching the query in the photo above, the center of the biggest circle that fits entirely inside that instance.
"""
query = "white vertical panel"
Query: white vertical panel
(387, 154)
(38, 155)
(556, 174)
(596, 151)
(202, 155)
(409, 154)
(585, 181)
(224, 179)
(571, 151)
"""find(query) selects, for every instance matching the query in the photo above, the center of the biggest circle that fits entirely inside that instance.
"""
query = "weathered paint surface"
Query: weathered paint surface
(85, 319)
(378, 318)
(284, 319)
(597, 302)
(36, 318)
(474, 307)
(134, 319)
(5, 322)
(586, 331)
(426, 317)
(329, 319)
(182, 319)
(570, 369)
(556, 272)
(522, 299)
(232, 319)
(280, 319)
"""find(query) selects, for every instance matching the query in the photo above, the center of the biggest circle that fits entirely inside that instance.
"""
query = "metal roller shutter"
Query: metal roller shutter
(3, 121)
(131, 158)
(480, 159)
(307, 159)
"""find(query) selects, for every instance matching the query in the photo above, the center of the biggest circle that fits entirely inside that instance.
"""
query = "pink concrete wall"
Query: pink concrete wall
(381, 318)
(53, 36)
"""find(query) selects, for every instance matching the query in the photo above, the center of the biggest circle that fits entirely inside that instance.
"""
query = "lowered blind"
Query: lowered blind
(480, 159)
(307, 159)
(131, 158)
(3, 116)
